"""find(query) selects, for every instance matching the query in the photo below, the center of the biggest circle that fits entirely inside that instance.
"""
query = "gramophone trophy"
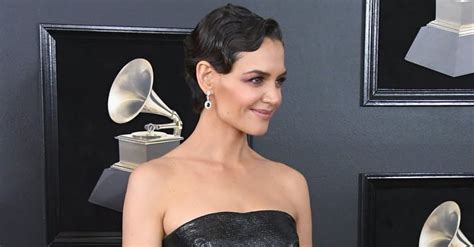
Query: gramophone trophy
(446, 44)
(441, 228)
(131, 93)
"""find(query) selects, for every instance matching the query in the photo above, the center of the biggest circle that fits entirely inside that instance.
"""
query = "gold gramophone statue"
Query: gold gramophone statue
(441, 228)
(131, 93)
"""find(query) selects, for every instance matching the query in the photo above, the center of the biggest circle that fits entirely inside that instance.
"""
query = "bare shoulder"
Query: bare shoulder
(296, 189)
(145, 203)
(293, 184)
(150, 171)
(151, 179)
(293, 179)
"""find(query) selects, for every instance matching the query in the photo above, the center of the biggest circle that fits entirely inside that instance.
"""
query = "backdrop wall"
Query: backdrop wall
(321, 129)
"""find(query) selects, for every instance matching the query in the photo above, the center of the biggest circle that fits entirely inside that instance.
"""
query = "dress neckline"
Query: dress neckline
(232, 212)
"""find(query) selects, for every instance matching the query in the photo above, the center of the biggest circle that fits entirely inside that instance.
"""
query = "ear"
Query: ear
(205, 75)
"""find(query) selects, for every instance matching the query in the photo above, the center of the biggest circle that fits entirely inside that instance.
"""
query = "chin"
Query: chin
(257, 132)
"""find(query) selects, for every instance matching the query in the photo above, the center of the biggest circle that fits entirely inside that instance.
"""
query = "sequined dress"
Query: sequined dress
(256, 228)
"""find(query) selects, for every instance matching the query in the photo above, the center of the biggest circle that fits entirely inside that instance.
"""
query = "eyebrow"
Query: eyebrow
(263, 73)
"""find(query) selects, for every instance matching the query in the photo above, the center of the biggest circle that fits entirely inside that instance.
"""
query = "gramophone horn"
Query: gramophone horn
(132, 93)
(441, 228)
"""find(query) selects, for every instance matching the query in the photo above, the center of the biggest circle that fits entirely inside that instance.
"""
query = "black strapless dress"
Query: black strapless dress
(256, 228)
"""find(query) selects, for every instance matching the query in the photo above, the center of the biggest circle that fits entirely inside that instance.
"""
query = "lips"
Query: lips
(264, 114)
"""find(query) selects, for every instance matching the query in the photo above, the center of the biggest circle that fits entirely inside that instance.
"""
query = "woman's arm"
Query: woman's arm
(143, 208)
(300, 197)
(303, 208)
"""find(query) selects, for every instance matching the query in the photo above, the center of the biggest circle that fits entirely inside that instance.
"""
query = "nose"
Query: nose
(272, 95)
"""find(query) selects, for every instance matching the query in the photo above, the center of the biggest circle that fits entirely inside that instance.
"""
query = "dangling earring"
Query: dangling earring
(208, 102)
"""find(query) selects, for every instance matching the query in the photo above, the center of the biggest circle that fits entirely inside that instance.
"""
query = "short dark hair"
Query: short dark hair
(219, 38)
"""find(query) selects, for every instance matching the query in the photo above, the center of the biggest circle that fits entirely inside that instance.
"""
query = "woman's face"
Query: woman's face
(247, 97)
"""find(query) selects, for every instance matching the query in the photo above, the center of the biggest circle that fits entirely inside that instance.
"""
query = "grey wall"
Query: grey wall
(321, 129)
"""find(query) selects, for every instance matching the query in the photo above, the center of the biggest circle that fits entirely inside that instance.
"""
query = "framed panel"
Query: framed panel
(79, 64)
(388, 79)
(394, 207)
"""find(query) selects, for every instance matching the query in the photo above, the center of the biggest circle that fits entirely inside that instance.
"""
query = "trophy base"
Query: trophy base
(443, 51)
(128, 167)
(110, 190)
(136, 149)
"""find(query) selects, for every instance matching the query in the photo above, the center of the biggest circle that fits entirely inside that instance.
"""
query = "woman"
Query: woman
(213, 189)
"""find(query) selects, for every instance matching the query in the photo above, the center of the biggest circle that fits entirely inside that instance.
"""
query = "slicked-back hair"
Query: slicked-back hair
(219, 38)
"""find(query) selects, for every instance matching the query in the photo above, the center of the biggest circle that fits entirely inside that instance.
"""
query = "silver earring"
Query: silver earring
(208, 102)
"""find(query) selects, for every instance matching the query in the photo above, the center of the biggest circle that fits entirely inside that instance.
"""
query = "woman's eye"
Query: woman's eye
(256, 80)
(280, 81)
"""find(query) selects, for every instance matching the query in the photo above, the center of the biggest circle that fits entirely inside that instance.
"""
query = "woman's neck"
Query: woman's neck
(217, 141)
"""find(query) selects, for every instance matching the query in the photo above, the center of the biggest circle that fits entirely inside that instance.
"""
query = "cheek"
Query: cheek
(239, 97)
(234, 105)
(246, 99)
